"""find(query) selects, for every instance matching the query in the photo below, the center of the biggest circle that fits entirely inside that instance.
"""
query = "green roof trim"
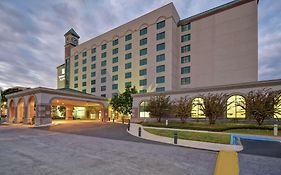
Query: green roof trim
(72, 31)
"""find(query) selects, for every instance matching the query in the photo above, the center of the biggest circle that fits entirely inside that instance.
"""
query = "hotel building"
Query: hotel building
(161, 52)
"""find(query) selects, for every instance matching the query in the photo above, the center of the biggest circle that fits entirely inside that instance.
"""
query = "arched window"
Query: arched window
(196, 111)
(233, 108)
(143, 112)
(278, 107)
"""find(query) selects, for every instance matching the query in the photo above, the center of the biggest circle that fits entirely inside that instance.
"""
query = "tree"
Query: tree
(182, 108)
(159, 106)
(123, 103)
(261, 104)
(214, 106)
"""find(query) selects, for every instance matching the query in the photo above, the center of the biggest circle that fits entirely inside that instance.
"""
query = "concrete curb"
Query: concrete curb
(184, 143)
(227, 163)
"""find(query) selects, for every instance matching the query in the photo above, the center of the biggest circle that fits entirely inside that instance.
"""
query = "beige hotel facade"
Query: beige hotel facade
(160, 52)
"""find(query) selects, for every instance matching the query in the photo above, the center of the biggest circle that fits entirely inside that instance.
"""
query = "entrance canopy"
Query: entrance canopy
(35, 106)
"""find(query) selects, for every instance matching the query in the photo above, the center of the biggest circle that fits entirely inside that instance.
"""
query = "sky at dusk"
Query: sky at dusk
(32, 41)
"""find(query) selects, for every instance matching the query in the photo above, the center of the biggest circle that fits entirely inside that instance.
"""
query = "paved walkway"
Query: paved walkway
(185, 143)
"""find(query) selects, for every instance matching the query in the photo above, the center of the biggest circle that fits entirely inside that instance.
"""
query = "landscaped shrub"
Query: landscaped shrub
(182, 108)
(159, 106)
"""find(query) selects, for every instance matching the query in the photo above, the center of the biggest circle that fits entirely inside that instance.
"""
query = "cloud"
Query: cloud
(32, 41)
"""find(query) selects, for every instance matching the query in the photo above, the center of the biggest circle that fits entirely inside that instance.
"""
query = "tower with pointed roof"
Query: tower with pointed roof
(71, 40)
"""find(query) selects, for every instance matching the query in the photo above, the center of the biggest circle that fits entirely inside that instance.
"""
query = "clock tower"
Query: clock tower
(71, 40)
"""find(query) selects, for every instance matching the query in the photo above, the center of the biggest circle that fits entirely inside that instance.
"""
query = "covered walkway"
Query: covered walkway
(39, 105)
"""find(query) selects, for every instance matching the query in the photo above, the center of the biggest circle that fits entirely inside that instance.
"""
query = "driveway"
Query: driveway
(108, 130)
(68, 149)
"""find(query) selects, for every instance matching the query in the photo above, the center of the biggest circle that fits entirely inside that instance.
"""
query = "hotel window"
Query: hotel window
(94, 58)
(103, 55)
(84, 54)
(185, 59)
(114, 51)
(185, 80)
(160, 79)
(75, 78)
(128, 46)
(185, 38)
(93, 82)
(160, 47)
(93, 74)
(128, 75)
(143, 41)
(114, 86)
(103, 71)
(84, 83)
(114, 94)
(84, 91)
(160, 89)
(103, 95)
(103, 88)
(160, 36)
(115, 69)
(76, 71)
(160, 57)
(128, 65)
(128, 37)
(84, 61)
(93, 66)
(103, 80)
(143, 91)
(75, 85)
(93, 89)
(128, 56)
(76, 64)
(160, 24)
(115, 60)
(160, 69)
(185, 49)
(186, 27)
(185, 70)
(143, 62)
(103, 46)
(143, 72)
(84, 69)
(94, 50)
(115, 42)
(143, 51)
(84, 76)
(114, 77)
(103, 63)
(128, 84)
(143, 82)
(76, 57)
(143, 31)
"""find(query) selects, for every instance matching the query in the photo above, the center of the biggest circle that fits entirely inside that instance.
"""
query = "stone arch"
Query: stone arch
(196, 111)
(115, 37)
(31, 109)
(129, 32)
(234, 110)
(161, 18)
(103, 42)
(12, 111)
(144, 25)
(142, 109)
(20, 110)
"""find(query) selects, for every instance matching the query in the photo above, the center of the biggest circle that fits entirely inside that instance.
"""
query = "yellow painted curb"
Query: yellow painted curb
(227, 163)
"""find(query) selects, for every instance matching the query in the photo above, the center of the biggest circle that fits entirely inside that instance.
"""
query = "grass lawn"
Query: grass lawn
(187, 135)
(253, 131)
(219, 127)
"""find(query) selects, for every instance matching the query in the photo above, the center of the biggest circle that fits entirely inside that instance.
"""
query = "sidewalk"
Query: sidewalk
(185, 143)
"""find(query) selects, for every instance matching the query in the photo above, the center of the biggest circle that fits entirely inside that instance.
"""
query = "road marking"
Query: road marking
(227, 163)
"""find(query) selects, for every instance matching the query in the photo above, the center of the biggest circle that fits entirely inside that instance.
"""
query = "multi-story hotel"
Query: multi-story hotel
(160, 52)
